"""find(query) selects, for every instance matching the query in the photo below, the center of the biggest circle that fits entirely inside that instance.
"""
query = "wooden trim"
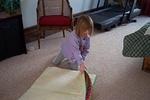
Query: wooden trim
(43, 5)
(37, 10)
(146, 64)
(4, 15)
(30, 29)
(30, 33)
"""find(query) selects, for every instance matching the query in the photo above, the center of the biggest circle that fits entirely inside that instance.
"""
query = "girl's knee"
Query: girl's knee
(73, 66)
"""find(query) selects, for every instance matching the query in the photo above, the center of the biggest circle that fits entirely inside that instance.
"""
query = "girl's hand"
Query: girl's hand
(82, 67)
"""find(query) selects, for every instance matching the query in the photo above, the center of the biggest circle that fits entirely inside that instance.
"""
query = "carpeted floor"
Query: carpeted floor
(118, 77)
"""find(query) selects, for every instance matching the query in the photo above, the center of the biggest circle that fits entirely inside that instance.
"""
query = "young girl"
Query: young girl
(76, 45)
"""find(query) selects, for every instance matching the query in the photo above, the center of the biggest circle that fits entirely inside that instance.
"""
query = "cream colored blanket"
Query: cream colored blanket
(58, 84)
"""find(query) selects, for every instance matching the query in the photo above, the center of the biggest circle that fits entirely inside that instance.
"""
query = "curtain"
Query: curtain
(145, 6)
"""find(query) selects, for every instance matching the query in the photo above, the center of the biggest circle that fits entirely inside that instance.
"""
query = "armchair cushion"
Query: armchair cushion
(55, 20)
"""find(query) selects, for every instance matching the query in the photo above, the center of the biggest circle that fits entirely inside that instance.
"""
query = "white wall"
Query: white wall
(28, 8)
(82, 5)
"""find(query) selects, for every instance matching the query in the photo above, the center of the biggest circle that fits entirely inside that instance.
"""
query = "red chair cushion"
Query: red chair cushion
(55, 20)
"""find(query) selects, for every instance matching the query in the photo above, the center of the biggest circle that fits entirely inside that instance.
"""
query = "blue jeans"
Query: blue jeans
(60, 57)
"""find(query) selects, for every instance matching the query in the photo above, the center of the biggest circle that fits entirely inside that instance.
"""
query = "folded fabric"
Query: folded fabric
(58, 84)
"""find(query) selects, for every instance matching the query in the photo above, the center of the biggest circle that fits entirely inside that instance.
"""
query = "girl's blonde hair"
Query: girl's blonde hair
(84, 23)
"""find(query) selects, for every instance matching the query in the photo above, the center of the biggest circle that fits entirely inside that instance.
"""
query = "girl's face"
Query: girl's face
(84, 33)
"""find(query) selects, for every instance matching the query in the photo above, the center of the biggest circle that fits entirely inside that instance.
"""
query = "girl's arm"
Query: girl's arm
(78, 57)
(77, 54)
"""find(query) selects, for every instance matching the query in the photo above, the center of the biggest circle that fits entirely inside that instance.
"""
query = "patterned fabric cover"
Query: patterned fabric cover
(137, 44)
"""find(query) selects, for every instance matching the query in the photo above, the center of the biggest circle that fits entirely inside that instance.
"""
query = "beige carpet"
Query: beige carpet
(118, 77)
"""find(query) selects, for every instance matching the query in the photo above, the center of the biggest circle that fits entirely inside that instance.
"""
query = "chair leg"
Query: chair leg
(39, 36)
(39, 31)
(72, 28)
(43, 34)
(63, 33)
(39, 43)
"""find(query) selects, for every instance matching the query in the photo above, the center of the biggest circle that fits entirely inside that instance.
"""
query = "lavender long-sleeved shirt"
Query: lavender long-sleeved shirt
(75, 48)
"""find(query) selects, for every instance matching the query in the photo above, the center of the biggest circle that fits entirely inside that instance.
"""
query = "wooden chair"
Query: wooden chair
(53, 14)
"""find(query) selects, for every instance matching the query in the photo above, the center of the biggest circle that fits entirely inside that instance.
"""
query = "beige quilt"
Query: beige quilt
(58, 84)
